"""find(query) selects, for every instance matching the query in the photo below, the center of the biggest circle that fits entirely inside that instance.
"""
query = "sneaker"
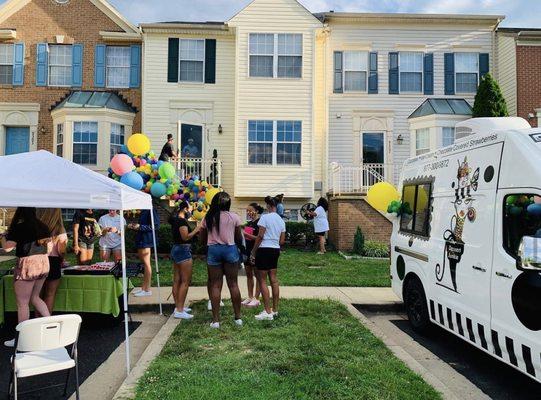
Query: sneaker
(143, 293)
(9, 343)
(182, 315)
(253, 303)
(187, 309)
(264, 316)
(209, 305)
(238, 322)
(215, 325)
(275, 314)
(136, 290)
(245, 302)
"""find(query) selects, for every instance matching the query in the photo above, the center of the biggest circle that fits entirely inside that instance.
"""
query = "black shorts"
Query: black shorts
(55, 268)
(321, 233)
(267, 258)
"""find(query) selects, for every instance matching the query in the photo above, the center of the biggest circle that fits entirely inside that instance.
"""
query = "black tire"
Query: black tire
(416, 306)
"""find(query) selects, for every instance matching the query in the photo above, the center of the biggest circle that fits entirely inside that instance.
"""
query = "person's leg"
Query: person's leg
(250, 280)
(231, 276)
(36, 300)
(262, 279)
(275, 289)
(322, 244)
(144, 256)
(185, 273)
(117, 255)
(23, 294)
(105, 254)
(176, 282)
(50, 293)
(216, 277)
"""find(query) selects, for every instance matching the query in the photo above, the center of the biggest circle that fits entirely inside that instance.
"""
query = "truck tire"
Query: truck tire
(416, 307)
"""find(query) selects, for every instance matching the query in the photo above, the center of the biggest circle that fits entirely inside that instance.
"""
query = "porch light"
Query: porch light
(220, 129)
(43, 130)
(399, 139)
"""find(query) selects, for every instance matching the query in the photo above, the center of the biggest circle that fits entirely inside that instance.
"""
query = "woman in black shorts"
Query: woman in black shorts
(265, 254)
(251, 231)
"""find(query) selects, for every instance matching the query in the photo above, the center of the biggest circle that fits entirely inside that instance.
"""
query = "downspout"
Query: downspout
(495, 53)
(326, 110)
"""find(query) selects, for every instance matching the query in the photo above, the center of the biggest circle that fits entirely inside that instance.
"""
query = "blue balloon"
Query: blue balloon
(158, 189)
(124, 150)
(155, 167)
(534, 209)
(160, 162)
(133, 180)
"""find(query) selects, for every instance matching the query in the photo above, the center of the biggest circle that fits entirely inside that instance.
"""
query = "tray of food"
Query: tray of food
(101, 268)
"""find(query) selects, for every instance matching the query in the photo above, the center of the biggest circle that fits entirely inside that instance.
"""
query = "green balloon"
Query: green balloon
(167, 171)
(511, 200)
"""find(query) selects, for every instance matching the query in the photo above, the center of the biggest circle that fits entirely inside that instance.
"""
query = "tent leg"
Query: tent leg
(125, 291)
(156, 259)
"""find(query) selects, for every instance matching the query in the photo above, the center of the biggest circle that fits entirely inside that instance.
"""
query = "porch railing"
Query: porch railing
(345, 179)
(209, 169)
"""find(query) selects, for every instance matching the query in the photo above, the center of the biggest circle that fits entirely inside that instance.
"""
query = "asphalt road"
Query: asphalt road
(468, 372)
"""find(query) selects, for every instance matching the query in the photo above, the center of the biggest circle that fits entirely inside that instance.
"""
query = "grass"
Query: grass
(296, 268)
(314, 350)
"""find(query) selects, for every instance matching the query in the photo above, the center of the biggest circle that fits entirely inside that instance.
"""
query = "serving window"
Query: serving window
(521, 217)
(415, 216)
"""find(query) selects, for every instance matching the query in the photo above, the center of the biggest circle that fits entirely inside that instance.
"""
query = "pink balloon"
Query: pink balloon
(143, 162)
(537, 199)
(121, 164)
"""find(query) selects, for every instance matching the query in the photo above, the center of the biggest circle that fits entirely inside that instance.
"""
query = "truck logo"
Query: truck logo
(464, 211)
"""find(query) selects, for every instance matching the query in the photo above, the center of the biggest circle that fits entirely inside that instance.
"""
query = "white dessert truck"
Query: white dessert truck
(466, 247)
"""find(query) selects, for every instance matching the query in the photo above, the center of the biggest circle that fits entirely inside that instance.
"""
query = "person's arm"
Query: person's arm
(76, 238)
(238, 237)
(258, 241)
(7, 245)
(62, 245)
(282, 238)
(185, 235)
(249, 236)
(148, 227)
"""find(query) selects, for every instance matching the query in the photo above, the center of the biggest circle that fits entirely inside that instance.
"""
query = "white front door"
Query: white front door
(373, 152)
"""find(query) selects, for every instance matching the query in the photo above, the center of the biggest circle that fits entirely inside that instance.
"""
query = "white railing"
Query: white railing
(3, 219)
(358, 179)
(208, 169)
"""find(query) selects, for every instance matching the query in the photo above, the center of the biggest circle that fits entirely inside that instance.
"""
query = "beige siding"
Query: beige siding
(507, 71)
(274, 99)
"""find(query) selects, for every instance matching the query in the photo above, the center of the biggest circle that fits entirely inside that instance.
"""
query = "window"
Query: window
(6, 64)
(117, 138)
(118, 66)
(288, 150)
(85, 143)
(519, 220)
(448, 136)
(192, 60)
(355, 71)
(60, 65)
(411, 72)
(60, 140)
(284, 50)
(274, 142)
(415, 217)
(422, 141)
(467, 72)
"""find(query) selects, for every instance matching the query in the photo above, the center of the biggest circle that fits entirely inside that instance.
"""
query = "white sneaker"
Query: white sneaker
(209, 305)
(143, 293)
(245, 302)
(187, 309)
(136, 290)
(275, 314)
(182, 315)
(9, 343)
(215, 325)
(239, 322)
(264, 316)
(253, 303)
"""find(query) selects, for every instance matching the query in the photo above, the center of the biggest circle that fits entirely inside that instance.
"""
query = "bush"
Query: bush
(489, 101)
(298, 231)
(358, 242)
(375, 249)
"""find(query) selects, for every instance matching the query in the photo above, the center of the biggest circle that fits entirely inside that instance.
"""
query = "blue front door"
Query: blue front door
(17, 140)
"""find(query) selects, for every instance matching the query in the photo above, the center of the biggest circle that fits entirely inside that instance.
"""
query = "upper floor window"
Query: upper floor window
(448, 136)
(118, 66)
(192, 60)
(85, 142)
(466, 72)
(422, 141)
(6, 64)
(117, 138)
(355, 71)
(411, 72)
(60, 140)
(275, 55)
(60, 65)
(274, 142)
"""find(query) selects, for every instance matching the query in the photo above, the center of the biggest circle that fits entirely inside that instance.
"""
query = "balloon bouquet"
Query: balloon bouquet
(385, 198)
(139, 168)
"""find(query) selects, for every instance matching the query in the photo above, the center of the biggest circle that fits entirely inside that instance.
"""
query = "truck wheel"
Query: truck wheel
(416, 308)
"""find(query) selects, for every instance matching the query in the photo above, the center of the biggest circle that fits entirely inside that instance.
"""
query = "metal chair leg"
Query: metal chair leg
(76, 380)
(67, 382)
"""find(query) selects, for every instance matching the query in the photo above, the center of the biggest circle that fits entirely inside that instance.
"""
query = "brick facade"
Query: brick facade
(528, 81)
(79, 21)
(347, 213)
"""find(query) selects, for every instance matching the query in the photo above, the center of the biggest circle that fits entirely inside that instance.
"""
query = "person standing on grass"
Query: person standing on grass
(321, 223)
(251, 231)
(29, 237)
(85, 232)
(222, 234)
(110, 241)
(56, 249)
(181, 254)
(265, 254)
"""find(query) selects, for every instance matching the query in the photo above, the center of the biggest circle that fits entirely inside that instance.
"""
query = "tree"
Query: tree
(489, 101)
(358, 242)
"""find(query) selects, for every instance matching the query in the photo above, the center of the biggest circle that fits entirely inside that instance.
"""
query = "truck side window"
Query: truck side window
(415, 217)
(521, 217)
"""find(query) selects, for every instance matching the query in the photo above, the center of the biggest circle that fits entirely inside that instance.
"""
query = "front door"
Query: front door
(17, 140)
(191, 141)
(373, 157)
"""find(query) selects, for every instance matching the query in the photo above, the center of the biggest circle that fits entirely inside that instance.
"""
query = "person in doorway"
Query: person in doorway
(181, 254)
(222, 233)
(85, 232)
(52, 218)
(29, 237)
(144, 242)
(265, 254)
(110, 240)
(167, 150)
(321, 223)
(280, 208)
(251, 231)
(190, 150)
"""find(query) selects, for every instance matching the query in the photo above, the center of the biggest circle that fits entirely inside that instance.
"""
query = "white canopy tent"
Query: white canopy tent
(42, 180)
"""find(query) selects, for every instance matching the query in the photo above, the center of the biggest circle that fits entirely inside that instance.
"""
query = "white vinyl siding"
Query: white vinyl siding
(118, 66)
(192, 60)
(466, 72)
(6, 64)
(275, 55)
(60, 65)
(507, 71)
(355, 71)
(411, 72)
(422, 141)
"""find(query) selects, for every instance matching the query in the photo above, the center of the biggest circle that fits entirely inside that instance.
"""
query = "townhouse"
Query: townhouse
(70, 79)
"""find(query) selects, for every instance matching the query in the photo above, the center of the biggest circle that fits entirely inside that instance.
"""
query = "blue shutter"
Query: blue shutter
(42, 61)
(338, 72)
(483, 65)
(18, 64)
(77, 66)
(99, 66)
(428, 74)
(394, 72)
(449, 71)
(373, 74)
(135, 66)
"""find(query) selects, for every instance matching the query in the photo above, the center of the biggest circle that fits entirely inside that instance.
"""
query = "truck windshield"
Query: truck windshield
(521, 217)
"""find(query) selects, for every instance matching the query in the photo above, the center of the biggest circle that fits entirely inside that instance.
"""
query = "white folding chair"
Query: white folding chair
(40, 348)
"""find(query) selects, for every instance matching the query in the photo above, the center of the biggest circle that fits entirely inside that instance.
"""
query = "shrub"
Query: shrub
(295, 231)
(489, 101)
(375, 249)
(358, 242)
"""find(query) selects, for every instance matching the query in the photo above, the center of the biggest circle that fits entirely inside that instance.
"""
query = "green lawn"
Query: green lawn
(296, 268)
(314, 350)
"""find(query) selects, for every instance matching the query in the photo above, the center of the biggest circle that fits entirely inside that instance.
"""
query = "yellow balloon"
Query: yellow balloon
(381, 194)
(198, 215)
(138, 144)
(210, 195)
(422, 198)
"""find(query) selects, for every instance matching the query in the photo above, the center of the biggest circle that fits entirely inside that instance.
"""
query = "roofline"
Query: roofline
(215, 26)
(411, 16)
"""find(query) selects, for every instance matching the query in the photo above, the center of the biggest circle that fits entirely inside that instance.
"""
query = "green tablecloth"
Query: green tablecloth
(76, 293)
